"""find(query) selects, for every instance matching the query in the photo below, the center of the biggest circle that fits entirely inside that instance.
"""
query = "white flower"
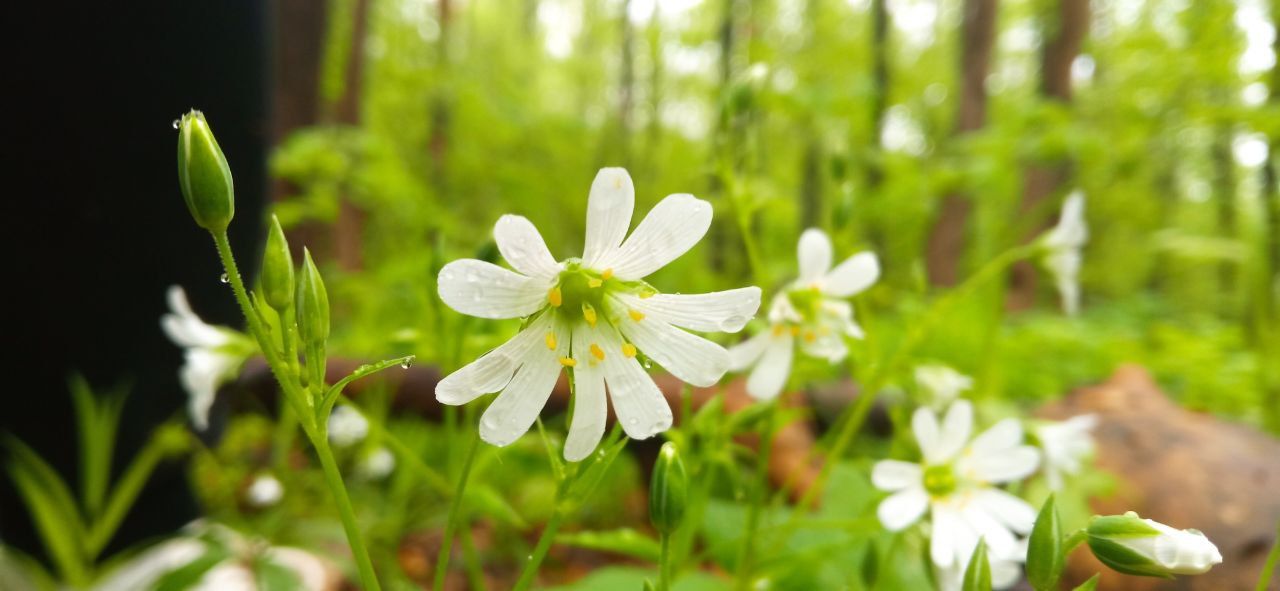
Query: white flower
(1063, 244)
(1136, 546)
(214, 354)
(953, 483)
(811, 309)
(594, 315)
(265, 491)
(347, 426)
(1065, 445)
(1006, 571)
(942, 383)
(378, 464)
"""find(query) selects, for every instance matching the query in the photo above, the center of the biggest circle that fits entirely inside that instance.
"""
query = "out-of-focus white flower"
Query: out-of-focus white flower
(942, 383)
(1006, 571)
(214, 354)
(1136, 546)
(1065, 445)
(811, 311)
(264, 491)
(1063, 244)
(953, 484)
(593, 315)
(377, 464)
(347, 426)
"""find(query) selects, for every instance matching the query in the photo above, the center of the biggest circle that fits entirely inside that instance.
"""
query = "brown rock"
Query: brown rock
(1185, 469)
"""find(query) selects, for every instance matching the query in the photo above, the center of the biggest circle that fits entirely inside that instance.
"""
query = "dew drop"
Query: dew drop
(225, 278)
(407, 362)
(648, 364)
(732, 323)
(633, 421)
(176, 123)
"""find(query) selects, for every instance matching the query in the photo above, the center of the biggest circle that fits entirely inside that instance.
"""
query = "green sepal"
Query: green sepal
(668, 490)
(313, 303)
(204, 175)
(277, 269)
(1045, 559)
(977, 575)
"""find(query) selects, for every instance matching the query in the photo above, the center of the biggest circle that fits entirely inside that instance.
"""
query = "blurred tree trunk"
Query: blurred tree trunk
(722, 156)
(626, 86)
(1064, 32)
(1269, 292)
(1225, 188)
(653, 134)
(441, 101)
(811, 197)
(946, 243)
(879, 90)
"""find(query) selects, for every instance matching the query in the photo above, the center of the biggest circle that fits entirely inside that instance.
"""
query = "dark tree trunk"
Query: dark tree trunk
(626, 86)
(880, 89)
(441, 111)
(348, 243)
(946, 243)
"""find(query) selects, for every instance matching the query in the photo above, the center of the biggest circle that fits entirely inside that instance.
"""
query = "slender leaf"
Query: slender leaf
(57, 528)
(331, 396)
(1089, 585)
(625, 541)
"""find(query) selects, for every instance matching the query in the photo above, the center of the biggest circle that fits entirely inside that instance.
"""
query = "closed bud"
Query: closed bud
(204, 174)
(313, 303)
(668, 490)
(277, 268)
(1135, 546)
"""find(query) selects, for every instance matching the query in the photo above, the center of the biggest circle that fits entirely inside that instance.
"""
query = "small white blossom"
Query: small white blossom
(1063, 244)
(1006, 571)
(593, 315)
(942, 383)
(811, 311)
(1133, 545)
(214, 354)
(1065, 445)
(347, 426)
(953, 484)
(264, 491)
(377, 464)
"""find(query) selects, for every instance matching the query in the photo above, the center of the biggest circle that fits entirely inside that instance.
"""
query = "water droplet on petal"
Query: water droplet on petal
(225, 278)
(633, 421)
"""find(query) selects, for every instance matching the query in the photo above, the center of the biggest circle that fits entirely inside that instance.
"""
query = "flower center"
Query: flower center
(940, 480)
(807, 301)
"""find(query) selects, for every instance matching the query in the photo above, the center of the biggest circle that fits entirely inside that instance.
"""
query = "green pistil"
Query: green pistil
(807, 301)
(939, 481)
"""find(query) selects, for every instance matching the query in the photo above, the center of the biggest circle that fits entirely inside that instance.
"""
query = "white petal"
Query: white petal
(1000, 541)
(743, 354)
(492, 371)
(924, 424)
(1006, 466)
(721, 311)
(519, 404)
(902, 508)
(1004, 573)
(1000, 437)
(956, 427)
(1009, 510)
(895, 475)
(949, 537)
(828, 345)
(838, 315)
(637, 401)
(854, 275)
(186, 329)
(770, 375)
(687, 356)
(523, 248)
(589, 407)
(609, 207)
(485, 290)
(673, 226)
(814, 253)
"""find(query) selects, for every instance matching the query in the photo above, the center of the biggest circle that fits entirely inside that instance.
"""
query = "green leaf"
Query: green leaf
(126, 491)
(53, 510)
(187, 575)
(273, 576)
(1089, 585)
(1045, 558)
(331, 395)
(97, 424)
(625, 541)
(487, 501)
(977, 575)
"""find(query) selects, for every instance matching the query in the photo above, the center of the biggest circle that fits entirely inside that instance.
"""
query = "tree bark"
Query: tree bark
(348, 231)
(946, 243)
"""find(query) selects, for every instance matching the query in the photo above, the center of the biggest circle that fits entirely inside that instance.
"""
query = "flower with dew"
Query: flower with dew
(942, 383)
(954, 483)
(214, 354)
(1062, 245)
(377, 464)
(264, 491)
(811, 310)
(593, 315)
(347, 426)
(1064, 446)
(1143, 547)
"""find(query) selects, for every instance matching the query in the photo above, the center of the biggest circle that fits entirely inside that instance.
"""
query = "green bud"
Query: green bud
(1135, 546)
(277, 268)
(312, 302)
(668, 490)
(1045, 559)
(977, 575)
(204, 174)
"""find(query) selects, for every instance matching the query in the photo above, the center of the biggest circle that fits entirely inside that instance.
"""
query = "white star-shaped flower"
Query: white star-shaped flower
(1063, 244)
(812, 310)
(942, 383)
(347, 426)
(1065, 445)
(214, 354)
(593, 315)
(953, 483)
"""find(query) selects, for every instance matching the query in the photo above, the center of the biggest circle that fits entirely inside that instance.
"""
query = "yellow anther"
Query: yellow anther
(635, 315)
(795, 330)
(554, 297)
(589, 314)
(568, 361)
(644, 295)
(809, 337)
(594, 283)
(628, 350)
(607, 274)
(778, 329)
(597, 352)
(551, 341)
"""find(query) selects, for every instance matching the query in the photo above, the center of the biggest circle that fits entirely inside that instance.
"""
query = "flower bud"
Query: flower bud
(1135, 546)
(668, 490)
(204, 174)
(313, 303)
(277, 268)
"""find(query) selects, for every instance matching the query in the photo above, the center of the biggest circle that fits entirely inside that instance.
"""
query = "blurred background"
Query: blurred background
(389, 135)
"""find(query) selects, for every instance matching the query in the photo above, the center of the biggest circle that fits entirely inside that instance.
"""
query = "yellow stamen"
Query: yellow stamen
(568, 361)
(795, 330)
(589, 314)
(551, 341)
(628, 350)
(809, 337)
(778, 329)
(554, 297)
(607, 274)
(646, 294)
(635, 315)
(597, 352)
(594, 283)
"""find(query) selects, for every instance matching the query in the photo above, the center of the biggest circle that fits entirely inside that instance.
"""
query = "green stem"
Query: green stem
(455, 513)
(1264, 579)
(540, 552)
(664, 563)
(746, 554)
(125, 493)
(298, 399)
(1073, 541)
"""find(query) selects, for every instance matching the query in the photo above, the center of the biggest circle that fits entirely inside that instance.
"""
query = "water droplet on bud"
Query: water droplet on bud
(225, 278)
(176, 123)
(407, 362)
